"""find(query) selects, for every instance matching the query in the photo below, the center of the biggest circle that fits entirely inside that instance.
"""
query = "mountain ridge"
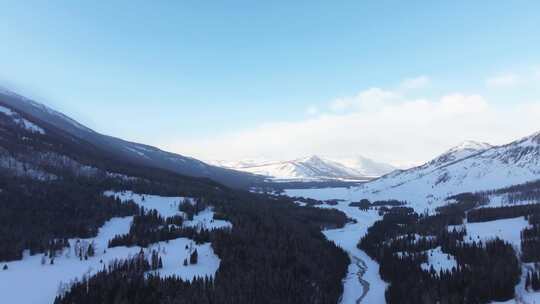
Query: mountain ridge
(311, 168)
(123, 150)
(483, 168)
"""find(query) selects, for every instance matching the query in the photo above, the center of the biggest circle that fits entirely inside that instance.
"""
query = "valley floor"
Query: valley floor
(363, 283)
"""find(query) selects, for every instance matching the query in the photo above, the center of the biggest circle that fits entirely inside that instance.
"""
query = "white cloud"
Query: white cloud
(415, 83)
(462, 104)
(364, 101)
(379, 124)
(503, 81)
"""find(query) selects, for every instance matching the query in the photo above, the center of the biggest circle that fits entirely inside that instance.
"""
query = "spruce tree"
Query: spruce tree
(193, 259)
(535, 281)
(91, 252)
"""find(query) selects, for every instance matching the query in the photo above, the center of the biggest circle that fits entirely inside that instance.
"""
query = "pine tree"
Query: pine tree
(185, 262)
(160, 263)
(91, 252)
(155, 260)
(534, 281)
(528, 281)
(5, 267)
(193, 259)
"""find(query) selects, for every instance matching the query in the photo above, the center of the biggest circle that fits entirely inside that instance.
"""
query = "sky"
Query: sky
(395, 81)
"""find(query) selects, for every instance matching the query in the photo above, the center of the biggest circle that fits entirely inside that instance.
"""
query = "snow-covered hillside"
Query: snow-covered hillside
(469, 167)
(38, 118)
(47, 278)
(311, 168)
(21, 121)
(366, 166)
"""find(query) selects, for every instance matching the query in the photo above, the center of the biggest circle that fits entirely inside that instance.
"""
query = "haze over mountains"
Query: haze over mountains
(470, 166)
(236, 174)
(312, 168)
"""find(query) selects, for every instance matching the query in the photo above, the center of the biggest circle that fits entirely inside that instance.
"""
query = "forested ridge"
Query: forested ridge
(275, 253)
(485, 272)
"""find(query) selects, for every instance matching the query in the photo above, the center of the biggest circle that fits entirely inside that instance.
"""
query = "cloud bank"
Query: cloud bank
(384, 125)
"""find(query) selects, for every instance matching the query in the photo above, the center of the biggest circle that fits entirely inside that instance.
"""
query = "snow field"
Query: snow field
(508, 230)
(439, 260)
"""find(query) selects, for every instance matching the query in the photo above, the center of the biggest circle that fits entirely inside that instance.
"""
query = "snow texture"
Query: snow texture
(22, 122)
(439, 260)
(508, 230)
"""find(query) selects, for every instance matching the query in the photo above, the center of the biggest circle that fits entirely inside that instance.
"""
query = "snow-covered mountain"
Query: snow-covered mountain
(463, 150)
(38, 118)
(366, 167)
(310, 168)
(469, 167)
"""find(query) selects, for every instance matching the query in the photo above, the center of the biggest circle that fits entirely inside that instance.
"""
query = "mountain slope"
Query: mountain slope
(366, 166)
(309, 168)
(118, 149)
(467, 168)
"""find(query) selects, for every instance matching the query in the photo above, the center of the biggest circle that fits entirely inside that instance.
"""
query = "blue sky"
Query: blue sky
(173, 73)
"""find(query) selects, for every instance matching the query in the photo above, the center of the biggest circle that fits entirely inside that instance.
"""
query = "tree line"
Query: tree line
(399, 242)
(275, 253)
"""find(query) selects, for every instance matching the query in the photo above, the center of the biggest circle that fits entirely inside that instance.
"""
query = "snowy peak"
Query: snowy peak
(366, 166)
(469, 167)
(309, 168)
(532, 140)
(461, 151)
(39, 110)
(314, 159)
(535, 138)
(471, 145)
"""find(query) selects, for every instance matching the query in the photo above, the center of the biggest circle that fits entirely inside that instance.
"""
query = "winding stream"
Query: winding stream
(362, 270)
(363, 283)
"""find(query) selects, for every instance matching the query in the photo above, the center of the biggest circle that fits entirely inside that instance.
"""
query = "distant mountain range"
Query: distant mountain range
(468, 167)
(311, 168)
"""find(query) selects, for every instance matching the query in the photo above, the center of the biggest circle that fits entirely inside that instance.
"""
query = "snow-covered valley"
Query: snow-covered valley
(363, 283)
(52, 276)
